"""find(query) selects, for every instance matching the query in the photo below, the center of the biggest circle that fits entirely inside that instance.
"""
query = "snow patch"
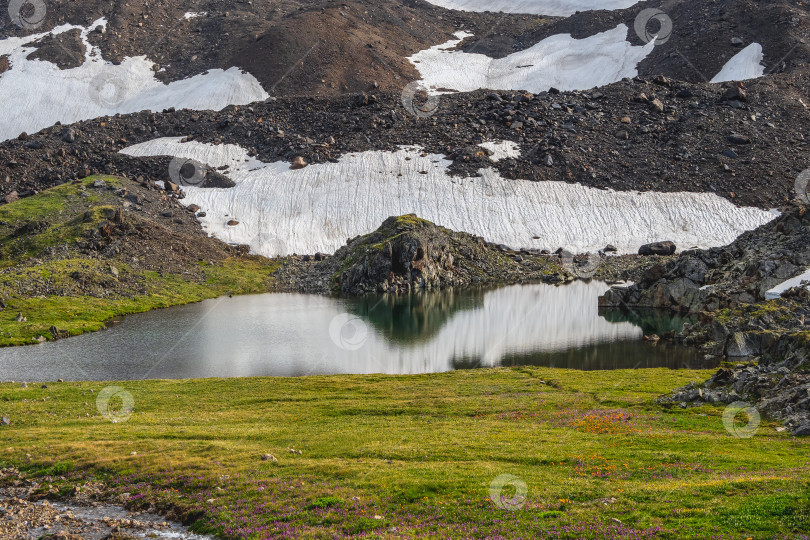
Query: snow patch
(195, 14)
(559, 61)
(553, 8)
(283, 211)
(780, 289)
(36, 94)
(746, 64)
(502, 150)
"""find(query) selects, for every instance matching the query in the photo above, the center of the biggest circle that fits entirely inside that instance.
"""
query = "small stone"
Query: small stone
(736, 138)
(729, 153)
(657, 105)
(802, 431)
(6, 420)
(269, 457)
(549, 161)
(610, 248)
(298, 163)
(737, 42)
(233, 223)
(626, 120)
(20, 318)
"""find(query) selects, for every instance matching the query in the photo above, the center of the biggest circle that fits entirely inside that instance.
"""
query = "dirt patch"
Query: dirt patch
(66, 50)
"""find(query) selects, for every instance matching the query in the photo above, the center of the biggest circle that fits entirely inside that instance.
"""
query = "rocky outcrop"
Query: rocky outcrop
(410, 254)
(723, 278)
(778, 385)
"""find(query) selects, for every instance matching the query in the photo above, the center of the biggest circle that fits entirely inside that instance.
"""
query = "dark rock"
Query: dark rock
(657, 248)
(736, 138)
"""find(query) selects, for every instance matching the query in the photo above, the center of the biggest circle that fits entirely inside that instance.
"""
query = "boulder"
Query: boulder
(658, 248)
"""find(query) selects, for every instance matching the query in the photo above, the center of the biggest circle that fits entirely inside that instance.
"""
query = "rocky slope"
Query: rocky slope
(727, 288)
(635, 135)
(727, 277)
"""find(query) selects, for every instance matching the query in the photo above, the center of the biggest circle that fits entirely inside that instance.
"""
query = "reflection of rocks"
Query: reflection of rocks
(651, 321)
(621, 355)
(414, 317)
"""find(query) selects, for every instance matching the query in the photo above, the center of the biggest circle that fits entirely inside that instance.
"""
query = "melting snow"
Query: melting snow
(195, 14)
(554, 8)
(558, 61)
(502, 150)
(777, 291)
(744, 65)
(36, 94)
(282, 211)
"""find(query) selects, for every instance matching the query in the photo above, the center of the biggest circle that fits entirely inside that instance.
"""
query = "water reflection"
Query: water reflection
(292, 334)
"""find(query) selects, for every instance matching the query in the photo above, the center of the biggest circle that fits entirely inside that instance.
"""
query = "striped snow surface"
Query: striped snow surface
(282, 211)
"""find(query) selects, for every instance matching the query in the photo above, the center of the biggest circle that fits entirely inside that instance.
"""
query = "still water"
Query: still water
(295, 334)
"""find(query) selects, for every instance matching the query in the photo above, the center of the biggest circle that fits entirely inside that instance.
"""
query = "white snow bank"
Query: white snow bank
(777, 291)
(282, 211)
(502, 150)
(553, 8)
(744, 65)
(559, 61)
(36, 94)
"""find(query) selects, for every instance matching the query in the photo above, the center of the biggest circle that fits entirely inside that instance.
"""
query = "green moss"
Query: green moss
(59, 215)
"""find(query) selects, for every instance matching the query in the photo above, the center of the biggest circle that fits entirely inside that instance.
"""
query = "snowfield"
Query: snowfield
(744, 65)
(553, 8)
(282, 211)
(559, 61)
(37, 94)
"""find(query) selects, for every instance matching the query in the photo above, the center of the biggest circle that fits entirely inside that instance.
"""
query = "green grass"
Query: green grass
(415, 456)
(58, 218)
